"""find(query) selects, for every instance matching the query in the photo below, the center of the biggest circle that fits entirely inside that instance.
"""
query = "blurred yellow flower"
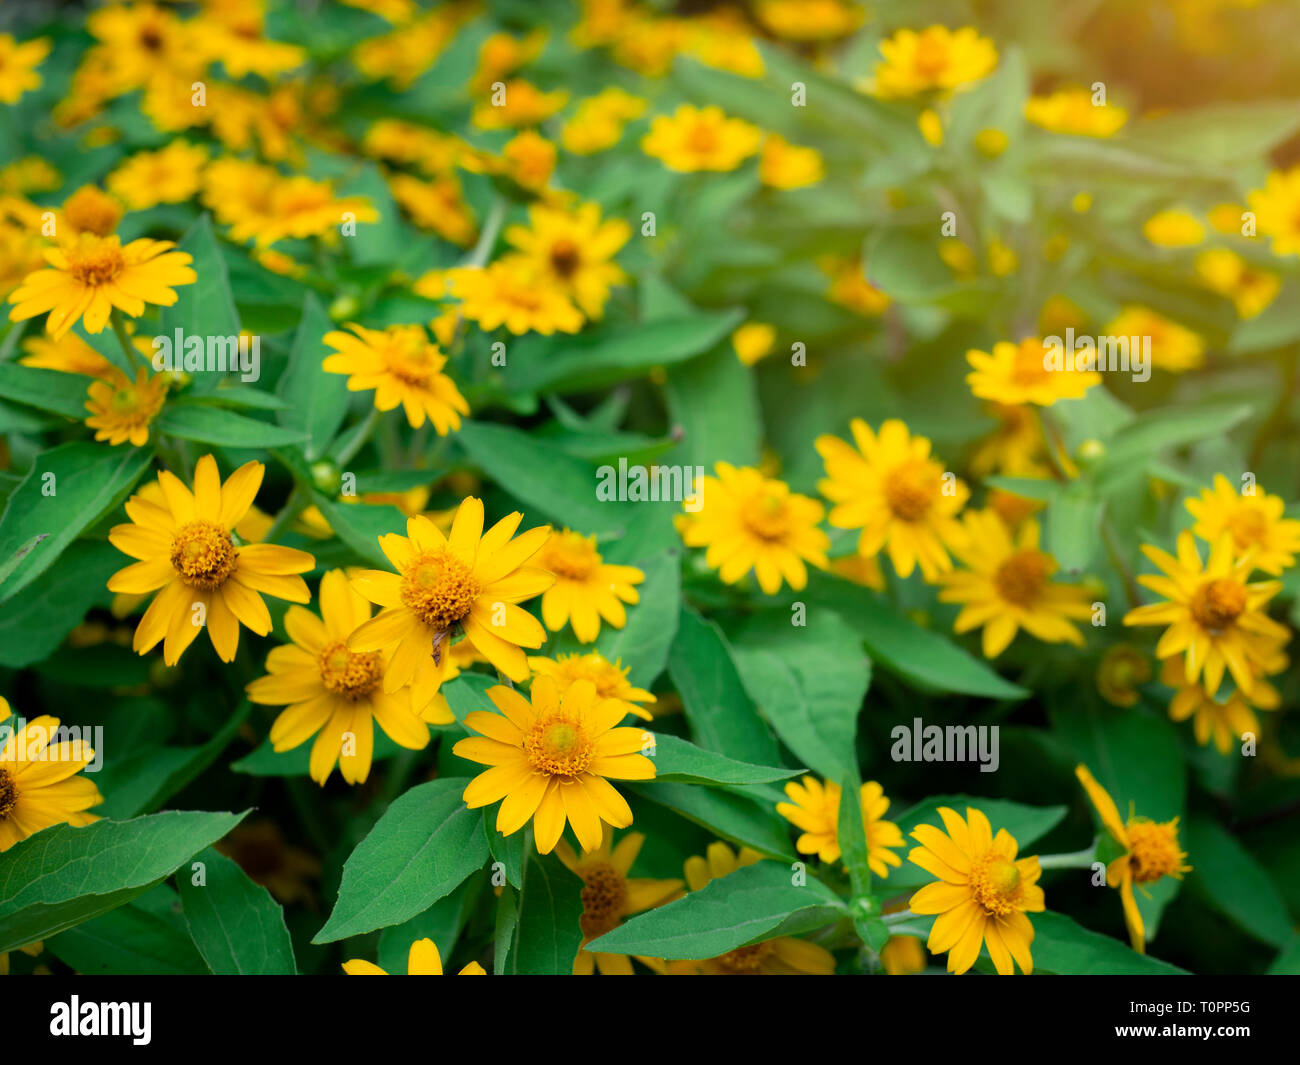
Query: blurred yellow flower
(1277, 210)
(169, 175)
(122, 409)
(700, 139)
(753, 341)
(786, 166)
(1254, 518)
(1225, 272)
(1173, 347)
(936, 58)
(1019, 373)
(1073, 111)
(1174, 228)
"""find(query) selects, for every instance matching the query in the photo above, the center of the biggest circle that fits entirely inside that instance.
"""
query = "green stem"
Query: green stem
(487, 237)
(1076, 860)
(1116, 560)
(119, 327)
(901, 917)
(359, 441)
(293, 506)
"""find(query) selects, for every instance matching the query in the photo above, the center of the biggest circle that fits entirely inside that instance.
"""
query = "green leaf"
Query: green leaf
(750, 905)
(207, 424)
(205, 308)
(238, 928)
(549, 933)
(679, 761)
(711, 431)
(503, 930)
(733, 816)
(1220, 133)
(508, 850)
(266, 761)
(442, 922)
(1135, 445)
(641, 646)
(63, 876)
(67, 489)
(317, 402)
(1061, 946)
(1233, 882)
(359, 525)
(52, 390)
(33, 625)
(425, 844)
(1073, 523)
(146, 937)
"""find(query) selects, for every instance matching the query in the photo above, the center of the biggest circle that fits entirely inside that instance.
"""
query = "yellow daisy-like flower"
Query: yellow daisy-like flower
(438, 205)
(170, 175)
(1173, 347)
(814, 807)
(1024, 373)
(1151, 851)
(982, 895)
(188, 556)
(122, 409)
(751, 522)
(521, 104)
(1008, 586)
(89, 210)
(552, 760)
(508, 293)
(529, 160)
(39, 785)
(897, 493)
(336, 694)
(88, 278)
(753, 341)
(18, 63)
(849, 287)
(1174, 228)
(1212, 719)
(572, 251)
(1014, 447)
(1122, 670)
(610, 678)
(903, 956)
(693, 139)
(859, 570)
(609, 895)
(467, 578)
(597, 122)
(586, 587)
(403, 367)
(68, 354)
(809, 20)
(1072, 111)
(1277, 210)
(423, 959)
(1225, 272)
(1256, 522)
(935, 59)
(787, 166)
(1212, 613)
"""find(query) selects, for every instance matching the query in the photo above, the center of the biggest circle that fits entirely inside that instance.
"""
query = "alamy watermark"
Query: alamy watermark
(651, 484)
(40, 744)
(212, 354)
(1130, 354)
(918, 742)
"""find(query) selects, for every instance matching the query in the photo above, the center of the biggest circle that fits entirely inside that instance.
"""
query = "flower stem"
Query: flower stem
(359, 440)
(1076, 860)
(293, 506)
(119, 327)
(487, 237)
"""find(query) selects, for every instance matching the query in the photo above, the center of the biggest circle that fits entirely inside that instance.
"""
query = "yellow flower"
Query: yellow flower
(896, 492)
(1014, 447)
(522, 104)
(142, 40)
(850, 288)
(171, 175)
(423, 959)
(931, 127)
(552, 760)
(508, 293)
(1003, 261)
(1277, 210)
(1151, 851)
(89, 210)
(437, 205)
(933, 59)
(598, 121)
(586, 588)
(1072, 111)
(334, 693)
(1174, 228)
(572, 252)
(1212, 613)
(1224, 271)
(786, 166)
(86, 279)
(502, 54)
(39, 785)
(529, 159)
(469, 579)
(610, 678)
(122, 409)
(982, 895)
(1255, 521)
(18, 63)
(1227, 218)
(700, 139)
(298, 207)
(403, 367)
(814, 807)
(609, 895)
(1173, 347)
(809, 20)
(753, 341)
(68, 354)
(1008, 587)
(991, 142)
(751, 522)
(859, 570)
(1212, 719)
(1122, 670)
(903, 956)
(1018, 373)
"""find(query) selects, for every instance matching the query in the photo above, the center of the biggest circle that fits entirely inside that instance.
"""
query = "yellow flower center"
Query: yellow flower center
(1153, 850)
(570, 556)
(1021, 576)
(351, 674)
(1028, 369)
(931, 56)
(203, 554)
(745, 959)
(8, 793)
(910, 489)
(90, 211)
(765, 516)
(126, 400)
(1249, 526)
(95, 264)
(558, 748)
(702, 138)
(995, 883)
(604, 898)
(1218, 603)
(412, 359)
(439, 588)
(565, 258)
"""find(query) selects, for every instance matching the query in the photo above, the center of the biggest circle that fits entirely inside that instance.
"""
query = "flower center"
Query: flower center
(604, 898)
(439, 588)
(995, 883)
(1021, 577)
(1218, 603)
(1249, 526)
(412, 359)
(570, 556)
(565, 258)
(1029, 368)
(203, 554)
(1153, 850)
(8, 793)
(90, 211)
(97, 264)
(702, 138)
(931, 56)
(745, 959)
(558, 748)
(351, 674)
(765, 516)
(910, 490)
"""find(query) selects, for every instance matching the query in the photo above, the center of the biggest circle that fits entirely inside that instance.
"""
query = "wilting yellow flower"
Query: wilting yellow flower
(552, 759)
(403, 367)
(751, 522)
(1019, 373)
(700, 139)
(1173, 347)
(122, 409)
(68, 354)
(336, 694)
(1255, 520)
(814, 807)
(982, 895)
(586, 587)
(1277, 210)
(1151, 851)
(1122, 670)
(609, 895)
(787, 166)
(170, 175)
(572, 251)
(89, 210)
(469, 579)
(189, 558)
(1212, 613)
(1224, 271)
(753, 341)
(39, 785)
(509, 293)
(18, 63)
(88, 278)
(1212, 719)
(1008, 587)
(610, 678)
(1174, 228)
(809, 20)
(423, 959)
(936, 58)
(521, 104)
(897, 493)
(1072, 111)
